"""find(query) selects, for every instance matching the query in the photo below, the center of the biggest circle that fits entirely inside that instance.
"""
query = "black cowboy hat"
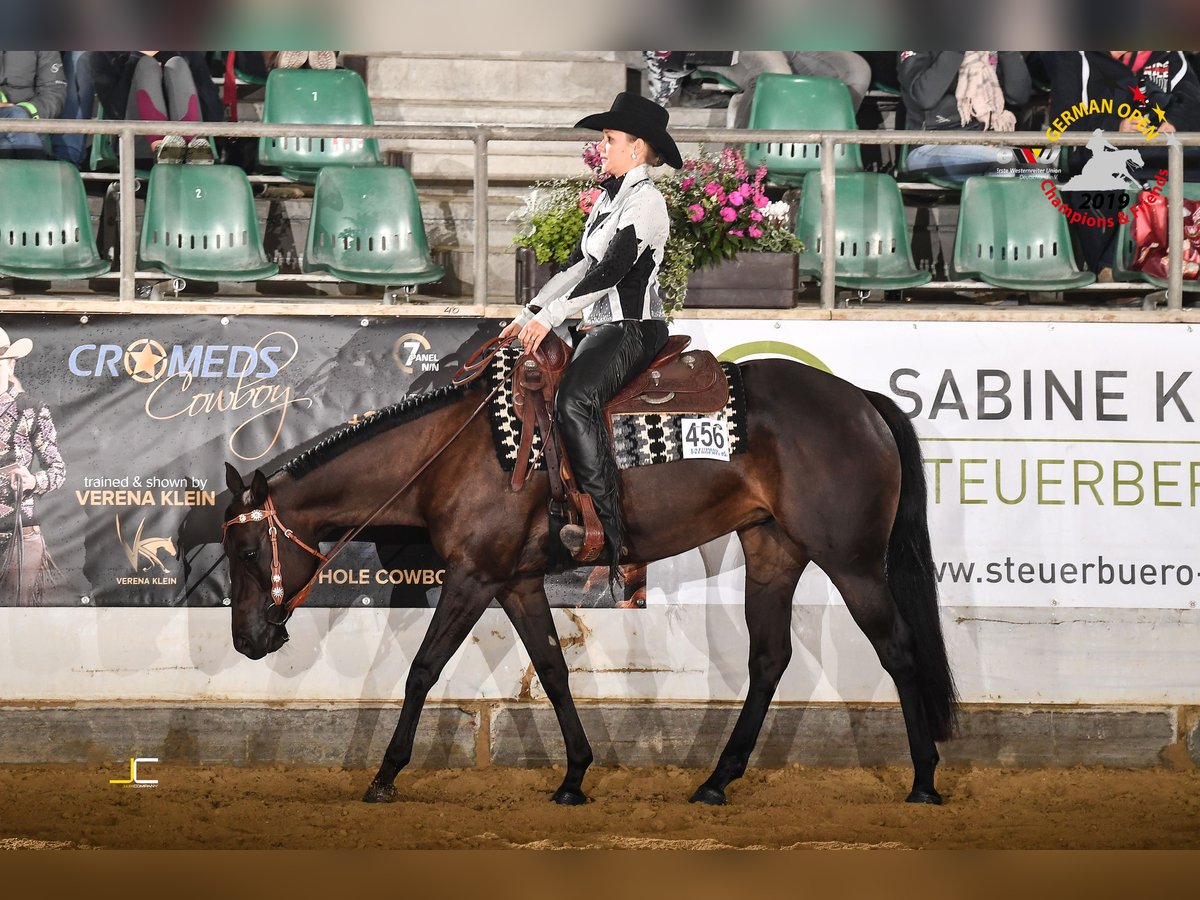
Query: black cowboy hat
(642, 118)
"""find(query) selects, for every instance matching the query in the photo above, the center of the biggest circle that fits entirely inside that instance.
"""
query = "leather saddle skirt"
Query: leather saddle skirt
(677, 381)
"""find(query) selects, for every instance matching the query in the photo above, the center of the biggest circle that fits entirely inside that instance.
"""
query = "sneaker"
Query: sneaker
(199, 152)
(322, 59)
(170, 149)
(291, 59)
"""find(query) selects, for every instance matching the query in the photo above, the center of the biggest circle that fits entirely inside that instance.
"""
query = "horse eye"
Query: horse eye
(249, 555)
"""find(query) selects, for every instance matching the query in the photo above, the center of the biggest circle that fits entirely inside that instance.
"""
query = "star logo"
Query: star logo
(1138, 94)
(145, 360)
(1162, 116)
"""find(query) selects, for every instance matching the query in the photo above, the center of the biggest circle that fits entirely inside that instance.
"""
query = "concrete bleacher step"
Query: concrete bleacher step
(490, 79)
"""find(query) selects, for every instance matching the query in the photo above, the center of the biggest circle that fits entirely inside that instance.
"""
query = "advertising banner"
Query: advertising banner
(1062, 459)
(126, 423)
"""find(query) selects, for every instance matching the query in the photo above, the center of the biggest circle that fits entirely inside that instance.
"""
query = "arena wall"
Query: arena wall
(1060, 675)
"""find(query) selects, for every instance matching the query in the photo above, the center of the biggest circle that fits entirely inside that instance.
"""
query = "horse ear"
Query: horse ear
(233, 481)
(258, 488)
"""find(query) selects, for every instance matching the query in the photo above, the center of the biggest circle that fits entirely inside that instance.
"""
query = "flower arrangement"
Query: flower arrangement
(717, 210)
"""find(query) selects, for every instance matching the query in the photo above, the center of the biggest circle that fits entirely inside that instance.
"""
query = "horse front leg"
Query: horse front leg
(463, 600)
(527, 607)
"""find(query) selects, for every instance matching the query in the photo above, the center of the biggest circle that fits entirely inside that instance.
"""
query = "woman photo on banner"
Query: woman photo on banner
(28, 441)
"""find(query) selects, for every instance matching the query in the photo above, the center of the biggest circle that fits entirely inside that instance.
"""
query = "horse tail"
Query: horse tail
(911, 577)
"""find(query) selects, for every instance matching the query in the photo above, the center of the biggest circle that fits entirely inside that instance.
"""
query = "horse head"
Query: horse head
(262, 562)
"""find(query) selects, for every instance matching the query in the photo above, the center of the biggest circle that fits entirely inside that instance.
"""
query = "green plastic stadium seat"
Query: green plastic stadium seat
(800, 102)
(366, 227)
(45, 229)
(1124, 254)
(316, 97)
(1010, 236)
(871, 233)
(200, 223)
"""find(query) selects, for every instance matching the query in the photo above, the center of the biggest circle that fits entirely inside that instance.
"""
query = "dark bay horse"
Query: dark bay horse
(832, 475)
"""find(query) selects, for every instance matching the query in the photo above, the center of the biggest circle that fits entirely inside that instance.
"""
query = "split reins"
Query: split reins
(472, 369)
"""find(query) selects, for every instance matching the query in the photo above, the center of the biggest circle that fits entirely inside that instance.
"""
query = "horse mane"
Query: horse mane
(343, 439)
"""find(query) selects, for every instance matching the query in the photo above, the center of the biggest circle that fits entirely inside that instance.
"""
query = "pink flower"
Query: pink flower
(761, 201)
(687, 184)
(755, 216)
(588, 199)
(744, 189)
(737, 233)
(695, 212)
(728, 213)
(736, 199)
(712, 188)
(755, 231)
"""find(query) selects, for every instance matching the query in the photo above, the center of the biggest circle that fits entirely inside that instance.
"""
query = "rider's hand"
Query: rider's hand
(532, 335)
(21, 479)
(1127, 125)
(512, 329)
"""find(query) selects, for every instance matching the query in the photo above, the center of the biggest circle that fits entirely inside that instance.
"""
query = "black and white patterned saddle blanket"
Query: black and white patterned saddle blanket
(638, 440)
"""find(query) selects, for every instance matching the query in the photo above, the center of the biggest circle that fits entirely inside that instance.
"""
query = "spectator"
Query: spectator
(316, 59)
(961, 90)
(159, 86)
(31, 87)
(80, 104)
(1143, 80)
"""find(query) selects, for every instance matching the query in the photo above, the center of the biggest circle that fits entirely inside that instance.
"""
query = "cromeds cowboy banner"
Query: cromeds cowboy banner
(149, 408)
(1062, 458)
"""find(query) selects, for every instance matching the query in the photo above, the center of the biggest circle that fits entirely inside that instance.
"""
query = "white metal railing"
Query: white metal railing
(482, 135)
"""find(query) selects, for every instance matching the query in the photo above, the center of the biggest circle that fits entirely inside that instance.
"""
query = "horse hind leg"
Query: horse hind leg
(773, 568)
(529, 610)
(463, 600)
(874, 609)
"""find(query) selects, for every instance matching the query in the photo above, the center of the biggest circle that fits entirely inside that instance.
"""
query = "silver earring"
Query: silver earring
(633, 155)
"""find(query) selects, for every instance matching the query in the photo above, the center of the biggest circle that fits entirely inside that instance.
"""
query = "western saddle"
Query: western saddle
(674, 383)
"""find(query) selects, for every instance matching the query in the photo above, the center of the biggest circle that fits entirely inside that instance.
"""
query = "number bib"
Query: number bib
(705, 439)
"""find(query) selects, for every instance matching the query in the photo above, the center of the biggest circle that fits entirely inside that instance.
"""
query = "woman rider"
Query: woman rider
(612, 279)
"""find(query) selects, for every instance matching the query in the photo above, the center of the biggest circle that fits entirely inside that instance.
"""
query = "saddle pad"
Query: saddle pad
(638, 440)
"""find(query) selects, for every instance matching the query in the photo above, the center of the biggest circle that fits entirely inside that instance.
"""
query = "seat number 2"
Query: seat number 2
(705, 439)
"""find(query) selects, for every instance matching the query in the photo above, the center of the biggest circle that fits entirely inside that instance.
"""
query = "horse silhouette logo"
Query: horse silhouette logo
(146, 549)
(1109, 169)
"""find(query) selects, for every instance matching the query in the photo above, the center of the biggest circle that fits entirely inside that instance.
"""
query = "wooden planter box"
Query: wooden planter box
(751, 280)
(530, 275)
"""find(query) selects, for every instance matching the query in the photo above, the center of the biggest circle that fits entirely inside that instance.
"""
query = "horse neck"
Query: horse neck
(350, 488)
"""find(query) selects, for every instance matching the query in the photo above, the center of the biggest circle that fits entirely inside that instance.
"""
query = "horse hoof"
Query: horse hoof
(567, 797)
(380, 793)
(919, 795)
(708, 795)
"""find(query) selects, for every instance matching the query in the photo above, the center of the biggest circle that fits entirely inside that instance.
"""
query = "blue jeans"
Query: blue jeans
(24, 144)
(81, 100)
(957, 162)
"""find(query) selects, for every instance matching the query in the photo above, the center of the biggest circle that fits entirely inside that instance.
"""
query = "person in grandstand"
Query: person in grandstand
(963, 91)
(612, 279)
(32, 86)
(27, 437)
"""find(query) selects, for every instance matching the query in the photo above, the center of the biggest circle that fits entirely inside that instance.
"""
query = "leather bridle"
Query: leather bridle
(269, 514)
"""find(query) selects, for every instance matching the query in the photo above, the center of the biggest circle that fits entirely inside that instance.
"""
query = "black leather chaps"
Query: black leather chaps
(606, 357)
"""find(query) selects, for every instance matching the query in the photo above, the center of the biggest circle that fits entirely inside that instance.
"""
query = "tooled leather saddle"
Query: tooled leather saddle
(675, 382)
